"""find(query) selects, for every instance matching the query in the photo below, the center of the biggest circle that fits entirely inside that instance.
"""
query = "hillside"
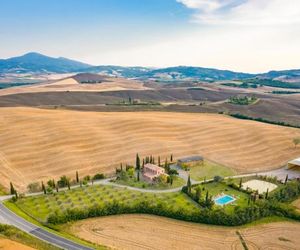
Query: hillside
(38, 144)
(37, 63)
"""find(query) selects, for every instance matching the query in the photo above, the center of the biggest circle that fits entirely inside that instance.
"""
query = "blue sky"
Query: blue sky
(244, 35)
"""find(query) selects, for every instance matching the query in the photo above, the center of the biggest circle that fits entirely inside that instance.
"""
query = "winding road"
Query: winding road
(13, 219)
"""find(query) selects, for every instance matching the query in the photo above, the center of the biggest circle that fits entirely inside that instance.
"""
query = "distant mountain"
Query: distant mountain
(38, 63)
(282, 75)
(207, 74)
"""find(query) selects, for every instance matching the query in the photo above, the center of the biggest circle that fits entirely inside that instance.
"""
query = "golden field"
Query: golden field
(13, 245)
(39, 144)
(152, 232)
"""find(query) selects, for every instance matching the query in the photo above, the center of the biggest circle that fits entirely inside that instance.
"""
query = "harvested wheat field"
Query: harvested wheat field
(13, 245)
(38, 144)
(70, 84)
(152, 232)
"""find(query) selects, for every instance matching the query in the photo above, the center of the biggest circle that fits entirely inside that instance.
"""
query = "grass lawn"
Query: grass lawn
(208, 170)
(216, 188)
(132, 182)
(40, 207)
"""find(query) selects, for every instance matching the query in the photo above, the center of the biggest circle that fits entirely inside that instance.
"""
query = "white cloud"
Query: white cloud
(242, 35)
(245, 12)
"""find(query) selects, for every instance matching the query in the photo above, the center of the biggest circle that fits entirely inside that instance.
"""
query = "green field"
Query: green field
(40, 207)
(216, 188)
(208, 170)
(177, 182)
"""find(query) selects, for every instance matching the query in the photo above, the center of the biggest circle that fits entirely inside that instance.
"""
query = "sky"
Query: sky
(242, 35)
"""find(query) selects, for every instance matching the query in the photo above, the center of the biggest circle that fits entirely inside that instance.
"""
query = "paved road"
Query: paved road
(38, 232)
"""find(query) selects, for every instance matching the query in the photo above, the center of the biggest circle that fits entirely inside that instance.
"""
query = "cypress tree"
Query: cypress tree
(77, 177)
(158, 160)
(286, 179)
(241, 181)
(44, 188)
(12, 189)
(198, 193)
(138, 175)
(189, 185)
(138, 162)
(143, 163)
(121, 167)
(171, 158)
(206, 197)
(68, 184)
(267, 194)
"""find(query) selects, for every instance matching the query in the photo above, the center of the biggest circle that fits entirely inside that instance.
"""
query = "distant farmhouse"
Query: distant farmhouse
(190, 161)
(294, 164)
(151, 172)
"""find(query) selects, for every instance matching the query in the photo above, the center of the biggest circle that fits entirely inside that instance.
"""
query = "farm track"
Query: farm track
(37, 144)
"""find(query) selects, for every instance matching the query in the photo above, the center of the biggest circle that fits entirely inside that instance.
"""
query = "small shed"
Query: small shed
(294, 164)
(190, 161)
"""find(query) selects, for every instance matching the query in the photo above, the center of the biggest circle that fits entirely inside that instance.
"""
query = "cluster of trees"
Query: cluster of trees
(270, 206)
(216, 216)
(131, 101)
(242, 100)
(259, 119)
(135, 172)
(284, 92)
(286, 193)
(129, 170)
(273, 83)
(196, 194)
(63, 182)
(242, 85)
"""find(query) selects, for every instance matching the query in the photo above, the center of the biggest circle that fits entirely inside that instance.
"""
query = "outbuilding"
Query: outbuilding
(294, 164)
(190, 161)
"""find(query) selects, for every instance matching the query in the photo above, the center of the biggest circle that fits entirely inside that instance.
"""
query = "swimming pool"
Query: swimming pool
(223, 200)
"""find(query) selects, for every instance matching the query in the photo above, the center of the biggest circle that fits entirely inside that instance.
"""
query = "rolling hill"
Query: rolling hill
(38, 144)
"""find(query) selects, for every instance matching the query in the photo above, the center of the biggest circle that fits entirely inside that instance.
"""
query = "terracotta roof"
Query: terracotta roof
(153, 167)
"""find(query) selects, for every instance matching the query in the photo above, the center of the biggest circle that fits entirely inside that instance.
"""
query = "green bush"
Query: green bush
(98, 176)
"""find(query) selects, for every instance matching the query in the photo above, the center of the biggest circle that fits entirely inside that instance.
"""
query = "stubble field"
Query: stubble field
(38, 144)
(152, 232)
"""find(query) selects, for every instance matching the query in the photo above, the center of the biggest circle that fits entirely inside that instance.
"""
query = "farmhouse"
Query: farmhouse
(294, 164)
(190, 161)
(151, 171)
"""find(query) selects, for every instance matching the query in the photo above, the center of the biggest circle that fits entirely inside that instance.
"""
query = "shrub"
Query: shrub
(34, 187)
(98, 176)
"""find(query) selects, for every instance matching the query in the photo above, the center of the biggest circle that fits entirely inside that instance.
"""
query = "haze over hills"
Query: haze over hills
(35, 63)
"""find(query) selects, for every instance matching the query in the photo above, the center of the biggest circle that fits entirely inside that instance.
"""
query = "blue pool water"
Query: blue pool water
(225, 199)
